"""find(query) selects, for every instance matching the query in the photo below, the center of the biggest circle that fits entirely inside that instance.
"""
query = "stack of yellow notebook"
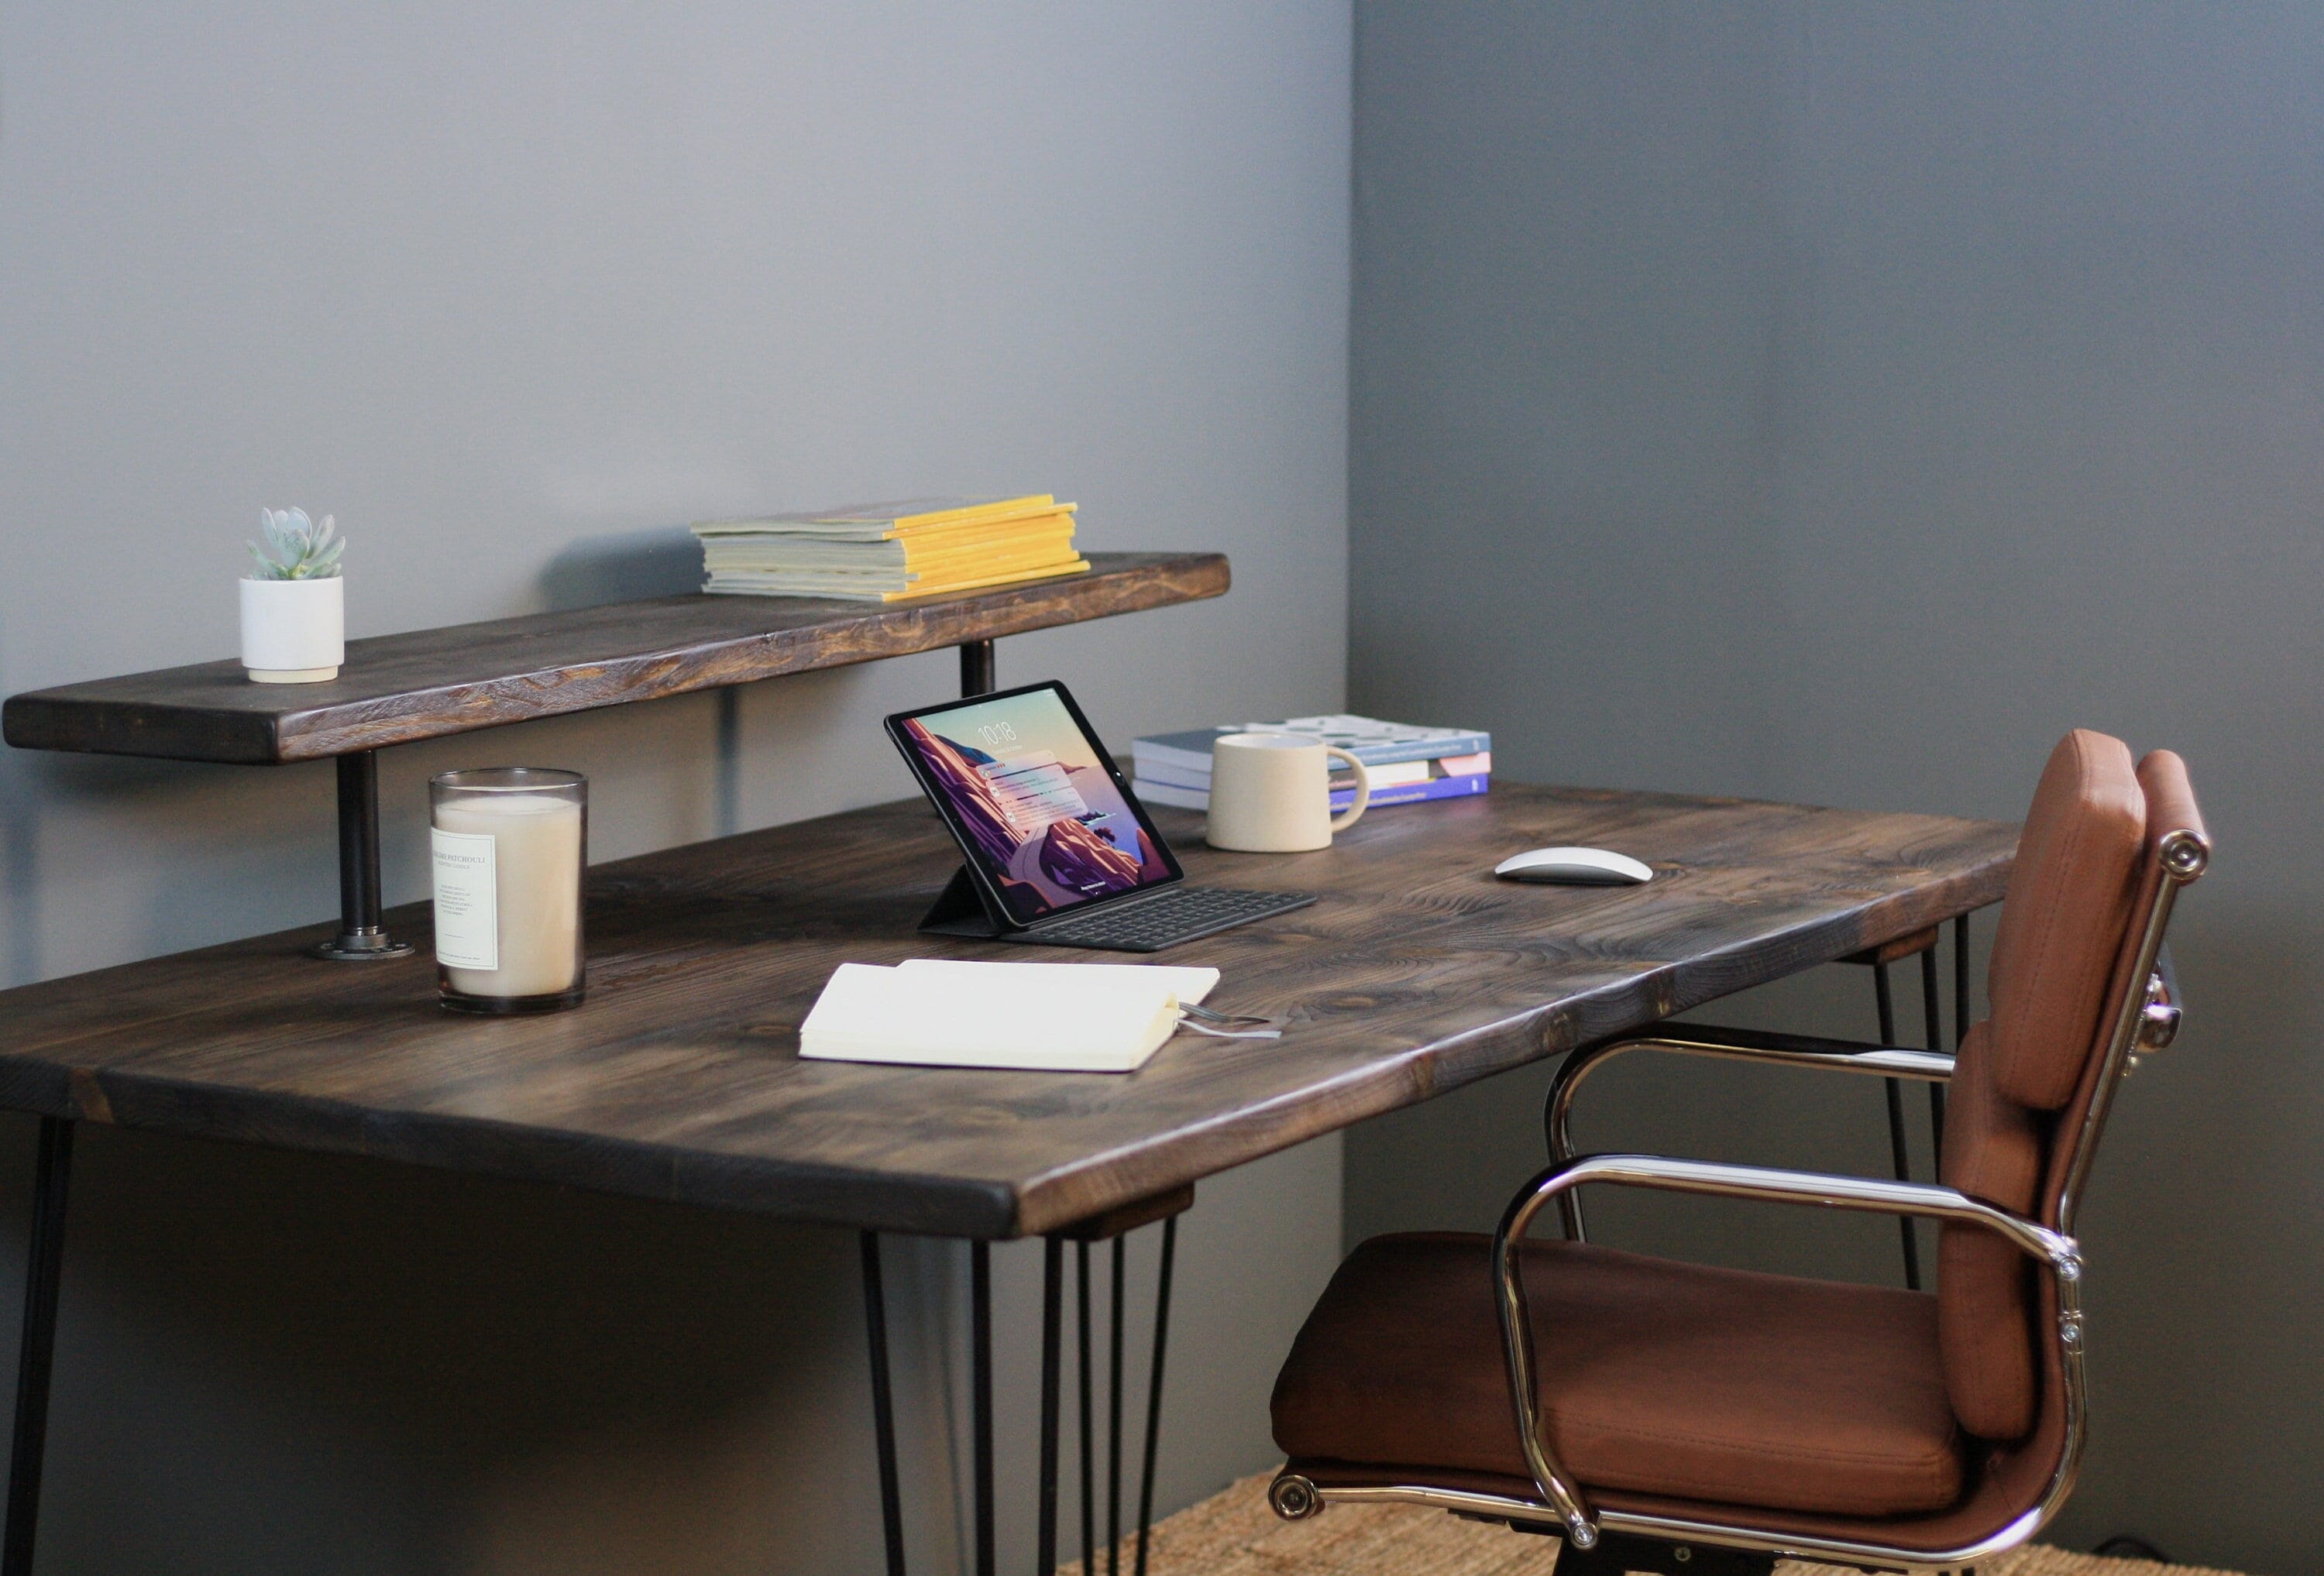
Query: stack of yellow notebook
(883, 552)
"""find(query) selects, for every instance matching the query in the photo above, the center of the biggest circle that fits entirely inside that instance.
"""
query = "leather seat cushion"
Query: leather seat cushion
(2063, 917)
(1658, 1376)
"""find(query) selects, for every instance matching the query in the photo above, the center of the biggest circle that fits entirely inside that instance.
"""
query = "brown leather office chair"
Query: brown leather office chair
(1674, 1417)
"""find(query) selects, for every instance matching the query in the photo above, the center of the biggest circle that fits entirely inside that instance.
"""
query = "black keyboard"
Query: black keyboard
(1166, 918)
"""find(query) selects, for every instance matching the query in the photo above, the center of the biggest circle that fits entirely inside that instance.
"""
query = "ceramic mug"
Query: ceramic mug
(1271, 793)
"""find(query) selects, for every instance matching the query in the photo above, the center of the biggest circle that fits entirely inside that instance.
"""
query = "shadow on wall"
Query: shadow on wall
(627, 566)
(632, 566)
(20, 954)
(220, 824)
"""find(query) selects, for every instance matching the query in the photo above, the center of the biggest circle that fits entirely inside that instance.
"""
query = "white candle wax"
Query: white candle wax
(537, 891)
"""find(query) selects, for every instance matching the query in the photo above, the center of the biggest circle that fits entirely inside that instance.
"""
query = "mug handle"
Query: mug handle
(1347, 817)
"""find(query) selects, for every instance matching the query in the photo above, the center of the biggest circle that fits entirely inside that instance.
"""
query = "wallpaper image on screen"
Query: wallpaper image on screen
(1051, 827)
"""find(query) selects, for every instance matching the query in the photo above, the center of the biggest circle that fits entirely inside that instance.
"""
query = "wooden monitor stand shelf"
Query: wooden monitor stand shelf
(397, 689)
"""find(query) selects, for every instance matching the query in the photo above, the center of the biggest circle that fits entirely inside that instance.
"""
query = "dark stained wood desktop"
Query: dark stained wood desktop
(679, 1077)
(424, 684)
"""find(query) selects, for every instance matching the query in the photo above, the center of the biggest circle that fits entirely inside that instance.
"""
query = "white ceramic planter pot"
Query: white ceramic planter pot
(293, 632)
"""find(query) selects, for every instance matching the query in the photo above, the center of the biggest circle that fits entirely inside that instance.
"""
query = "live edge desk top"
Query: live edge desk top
(679, 1077)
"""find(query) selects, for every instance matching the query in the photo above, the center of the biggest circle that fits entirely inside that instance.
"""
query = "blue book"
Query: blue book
(1413, 793)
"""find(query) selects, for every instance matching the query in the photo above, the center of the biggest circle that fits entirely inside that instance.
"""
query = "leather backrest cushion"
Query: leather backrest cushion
(1994, 1147)
(2169, 798)
(2063, 917)
(1994, 1151)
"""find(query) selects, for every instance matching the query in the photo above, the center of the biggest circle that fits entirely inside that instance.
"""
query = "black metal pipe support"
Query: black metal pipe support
(361, 938)
(976, 668)
(36, 1349)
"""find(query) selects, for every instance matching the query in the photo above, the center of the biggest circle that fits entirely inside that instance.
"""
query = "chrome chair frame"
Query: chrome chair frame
(2143, 1018)
(2059, 1253)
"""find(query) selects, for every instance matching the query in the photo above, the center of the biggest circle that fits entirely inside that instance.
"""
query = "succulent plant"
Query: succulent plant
(297, 548)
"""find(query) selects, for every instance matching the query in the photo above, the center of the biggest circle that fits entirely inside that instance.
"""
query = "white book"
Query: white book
(1050, 1018)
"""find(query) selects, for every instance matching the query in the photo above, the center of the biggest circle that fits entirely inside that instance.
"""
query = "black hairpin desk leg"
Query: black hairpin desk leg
(1112, 1228)
(1115, 1230)
(1960, 981)
(1933, 1021)
(44, 1263)
(980, 1285)
(883, 1403)
(1089, 1416)
(1053, 1273)
(1113, 1413)
(1886, 999)
(1154, 1389)
(1961, 984)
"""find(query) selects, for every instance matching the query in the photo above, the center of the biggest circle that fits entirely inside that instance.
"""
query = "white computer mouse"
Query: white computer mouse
(1574, 867)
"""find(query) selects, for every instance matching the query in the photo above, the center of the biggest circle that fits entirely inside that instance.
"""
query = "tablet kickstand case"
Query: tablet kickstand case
(961, 910)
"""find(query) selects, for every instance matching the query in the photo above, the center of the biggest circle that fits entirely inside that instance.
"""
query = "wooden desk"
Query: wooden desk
(678, 1078)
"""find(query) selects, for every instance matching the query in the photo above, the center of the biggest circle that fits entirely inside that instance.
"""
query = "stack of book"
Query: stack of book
(1407, 764)
(884, 552)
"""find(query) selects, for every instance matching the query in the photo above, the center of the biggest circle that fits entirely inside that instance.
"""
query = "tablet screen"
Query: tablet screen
(1028, 791)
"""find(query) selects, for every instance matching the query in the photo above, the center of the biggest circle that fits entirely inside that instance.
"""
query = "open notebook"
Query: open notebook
(1052, 1018)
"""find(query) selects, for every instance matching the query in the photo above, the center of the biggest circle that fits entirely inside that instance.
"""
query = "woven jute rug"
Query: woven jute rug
(1234, 1534)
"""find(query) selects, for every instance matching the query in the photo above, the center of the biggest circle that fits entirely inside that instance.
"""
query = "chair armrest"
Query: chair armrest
(1747, 1044)
(2060, 1253)
(1768, 1185)
(1789, 1050)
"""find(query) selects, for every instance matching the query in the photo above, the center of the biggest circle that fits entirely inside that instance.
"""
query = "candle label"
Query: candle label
(467, 888)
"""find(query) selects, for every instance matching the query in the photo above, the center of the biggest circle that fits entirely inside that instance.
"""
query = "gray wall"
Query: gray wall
(513, 292)
(1838, 403)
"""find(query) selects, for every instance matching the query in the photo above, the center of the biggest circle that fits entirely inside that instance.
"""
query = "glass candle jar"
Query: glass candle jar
(509, 844)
